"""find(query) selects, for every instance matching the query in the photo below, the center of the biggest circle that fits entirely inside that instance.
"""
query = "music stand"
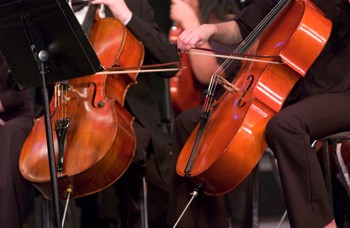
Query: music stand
(44, 38)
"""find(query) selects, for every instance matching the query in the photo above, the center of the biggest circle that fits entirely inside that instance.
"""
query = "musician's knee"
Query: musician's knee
(280, 127)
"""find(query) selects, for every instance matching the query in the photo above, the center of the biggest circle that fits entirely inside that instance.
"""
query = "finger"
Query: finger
(182, 40)
(187, 41)
(191, 39)
(191, 43)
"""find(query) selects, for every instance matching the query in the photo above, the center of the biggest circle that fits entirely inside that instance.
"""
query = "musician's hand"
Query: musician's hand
(118, 7)
(2, 123)
(184, 14)
(194, 37)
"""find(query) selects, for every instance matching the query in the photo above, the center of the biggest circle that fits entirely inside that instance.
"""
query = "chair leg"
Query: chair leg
(46, 219)
(278, 179)
(327, 171)
(255, 201)
(144, 204)
(344, 174)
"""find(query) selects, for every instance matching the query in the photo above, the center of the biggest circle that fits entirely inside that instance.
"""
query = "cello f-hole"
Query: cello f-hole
(100, 103)
(251, 78)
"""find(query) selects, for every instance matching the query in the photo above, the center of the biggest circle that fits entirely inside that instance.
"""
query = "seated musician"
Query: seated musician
(16, 120)
(145, 101)
(316, 107)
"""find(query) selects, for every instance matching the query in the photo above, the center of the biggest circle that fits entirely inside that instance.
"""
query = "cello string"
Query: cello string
(210, 94)
(60, 98)
(251, 38)
(64, 102)
(257, 31)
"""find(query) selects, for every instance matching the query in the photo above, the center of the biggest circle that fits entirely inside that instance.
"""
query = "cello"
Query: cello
(230, 139)
(95, 141)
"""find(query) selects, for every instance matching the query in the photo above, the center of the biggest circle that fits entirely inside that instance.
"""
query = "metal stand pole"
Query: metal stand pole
(43, 57)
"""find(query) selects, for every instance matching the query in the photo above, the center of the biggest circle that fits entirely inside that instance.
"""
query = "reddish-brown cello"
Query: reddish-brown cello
(229, 141)
(94, 141)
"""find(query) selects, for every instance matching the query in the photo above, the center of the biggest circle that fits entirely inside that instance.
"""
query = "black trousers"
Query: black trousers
(290, 134)
(121, 204)
(17, 195)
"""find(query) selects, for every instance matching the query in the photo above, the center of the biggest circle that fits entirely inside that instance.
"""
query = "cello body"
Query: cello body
(99, 142)
(233, 139)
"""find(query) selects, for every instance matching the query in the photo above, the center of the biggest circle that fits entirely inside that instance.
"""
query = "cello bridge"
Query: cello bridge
(226, 84)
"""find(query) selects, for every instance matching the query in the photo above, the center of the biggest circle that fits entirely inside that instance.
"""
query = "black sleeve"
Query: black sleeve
(157, 46)
(253, 14)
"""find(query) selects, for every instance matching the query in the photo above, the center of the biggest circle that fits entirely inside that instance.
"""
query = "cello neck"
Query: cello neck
(89, 18)
(262, 26)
